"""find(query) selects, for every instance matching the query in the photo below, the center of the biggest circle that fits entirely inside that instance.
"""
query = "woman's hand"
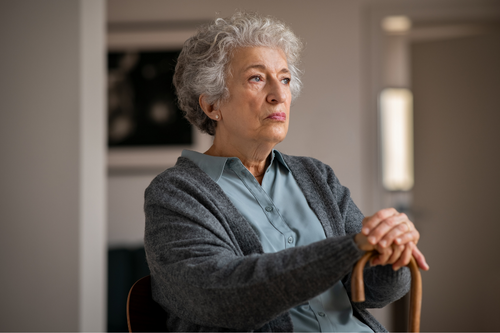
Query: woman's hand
(393, 236)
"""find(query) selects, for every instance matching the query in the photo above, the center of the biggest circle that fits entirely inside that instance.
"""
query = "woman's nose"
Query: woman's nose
(278, 92)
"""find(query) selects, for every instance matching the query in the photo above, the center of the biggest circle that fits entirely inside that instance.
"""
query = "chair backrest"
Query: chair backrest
(144, 314)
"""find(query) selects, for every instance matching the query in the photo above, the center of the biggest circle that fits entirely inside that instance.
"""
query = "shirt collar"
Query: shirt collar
(214, 166)
(280, 158)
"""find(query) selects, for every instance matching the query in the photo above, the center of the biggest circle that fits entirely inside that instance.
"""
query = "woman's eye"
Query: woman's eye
(256, 79)
(286, 80)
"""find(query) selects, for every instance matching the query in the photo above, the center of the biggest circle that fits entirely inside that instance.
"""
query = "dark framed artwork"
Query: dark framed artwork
(146, 129)
(142, 110)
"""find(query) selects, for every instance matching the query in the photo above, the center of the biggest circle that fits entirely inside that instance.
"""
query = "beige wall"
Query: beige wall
(52, 166)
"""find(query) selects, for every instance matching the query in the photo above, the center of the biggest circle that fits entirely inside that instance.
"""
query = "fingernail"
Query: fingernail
(398, 240)
(383, 243)
(372, 239)
(366, 231)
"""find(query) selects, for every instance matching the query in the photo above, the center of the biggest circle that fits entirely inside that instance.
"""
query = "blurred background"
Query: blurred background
(73, 175)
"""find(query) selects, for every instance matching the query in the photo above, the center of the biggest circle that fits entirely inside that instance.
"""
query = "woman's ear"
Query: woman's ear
(208, 108)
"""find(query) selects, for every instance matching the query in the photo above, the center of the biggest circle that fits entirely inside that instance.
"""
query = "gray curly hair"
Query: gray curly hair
(203, 64)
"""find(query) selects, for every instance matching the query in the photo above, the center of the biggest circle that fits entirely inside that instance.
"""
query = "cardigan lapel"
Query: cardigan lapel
(238, 228)
(313, 187)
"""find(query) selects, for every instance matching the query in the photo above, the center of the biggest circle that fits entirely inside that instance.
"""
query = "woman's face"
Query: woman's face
(258, 108)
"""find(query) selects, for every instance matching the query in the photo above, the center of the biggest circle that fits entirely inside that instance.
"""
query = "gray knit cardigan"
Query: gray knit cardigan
(208, 269)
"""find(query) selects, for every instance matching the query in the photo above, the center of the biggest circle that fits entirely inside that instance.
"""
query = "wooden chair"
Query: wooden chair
(144, 314)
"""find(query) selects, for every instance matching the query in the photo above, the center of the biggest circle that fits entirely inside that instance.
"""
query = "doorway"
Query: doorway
(451, 62)
(456, 86)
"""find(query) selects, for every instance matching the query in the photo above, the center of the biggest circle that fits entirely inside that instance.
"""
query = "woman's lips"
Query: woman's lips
(278, 116)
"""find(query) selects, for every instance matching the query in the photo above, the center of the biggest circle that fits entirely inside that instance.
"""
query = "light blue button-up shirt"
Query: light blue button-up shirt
(281, 217)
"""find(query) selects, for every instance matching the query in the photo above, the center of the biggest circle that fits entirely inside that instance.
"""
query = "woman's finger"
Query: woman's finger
(371, 222)
(420, 259)
(405, 257)
(383, 255)
(397, 235)
(411, 236)
(384, 227)
(397, 250)
(377, 260)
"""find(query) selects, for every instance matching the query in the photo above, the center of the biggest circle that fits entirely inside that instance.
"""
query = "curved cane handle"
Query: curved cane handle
(358, 289)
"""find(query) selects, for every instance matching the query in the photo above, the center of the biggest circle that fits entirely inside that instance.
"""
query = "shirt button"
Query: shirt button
(290, 239)
(322, 314)
(269, 209)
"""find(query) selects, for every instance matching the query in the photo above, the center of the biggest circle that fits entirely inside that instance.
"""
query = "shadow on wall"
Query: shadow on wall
(125, 266)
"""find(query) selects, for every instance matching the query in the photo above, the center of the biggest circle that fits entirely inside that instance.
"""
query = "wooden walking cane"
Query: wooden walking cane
(358, 288)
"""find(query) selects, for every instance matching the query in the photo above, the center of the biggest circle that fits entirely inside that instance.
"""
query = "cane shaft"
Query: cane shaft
(358, 288)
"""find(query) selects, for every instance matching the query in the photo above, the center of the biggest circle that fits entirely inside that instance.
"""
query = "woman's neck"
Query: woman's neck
(255, 157)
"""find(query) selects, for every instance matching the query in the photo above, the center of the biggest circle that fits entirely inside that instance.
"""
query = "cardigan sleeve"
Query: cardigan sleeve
(202, 275)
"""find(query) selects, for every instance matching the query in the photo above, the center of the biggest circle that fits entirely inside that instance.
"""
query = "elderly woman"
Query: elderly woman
(243, 237)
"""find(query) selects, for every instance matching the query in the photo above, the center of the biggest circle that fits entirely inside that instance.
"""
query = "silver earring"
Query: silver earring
(216, 116)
